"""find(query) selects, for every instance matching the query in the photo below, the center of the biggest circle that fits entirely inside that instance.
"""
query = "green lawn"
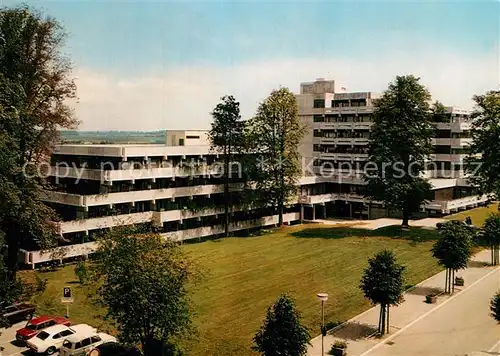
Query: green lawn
(477, 215)
(243, 276)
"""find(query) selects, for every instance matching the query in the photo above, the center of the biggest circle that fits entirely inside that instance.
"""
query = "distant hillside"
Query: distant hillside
(109, 137)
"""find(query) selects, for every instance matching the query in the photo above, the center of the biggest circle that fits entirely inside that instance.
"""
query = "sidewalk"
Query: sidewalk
(382, 222)
(358, 331)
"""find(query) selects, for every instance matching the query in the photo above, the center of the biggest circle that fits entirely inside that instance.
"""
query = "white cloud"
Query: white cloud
(182, 97)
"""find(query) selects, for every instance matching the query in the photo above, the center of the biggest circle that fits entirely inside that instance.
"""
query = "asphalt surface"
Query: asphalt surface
(458, 325)
(9, 343)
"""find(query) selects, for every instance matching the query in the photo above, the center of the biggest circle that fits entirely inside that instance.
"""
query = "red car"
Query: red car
(37, 324)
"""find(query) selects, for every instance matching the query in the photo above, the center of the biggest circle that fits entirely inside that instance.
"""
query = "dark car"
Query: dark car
(114, 349)
(18, 312)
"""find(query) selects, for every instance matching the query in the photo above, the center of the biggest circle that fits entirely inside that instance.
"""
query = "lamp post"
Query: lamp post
(323, 297)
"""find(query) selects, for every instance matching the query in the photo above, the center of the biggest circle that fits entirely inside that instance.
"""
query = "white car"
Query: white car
(48, 341)
(82, 343)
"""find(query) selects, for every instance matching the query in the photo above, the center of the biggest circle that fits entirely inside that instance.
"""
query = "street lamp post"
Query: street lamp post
(323, 297)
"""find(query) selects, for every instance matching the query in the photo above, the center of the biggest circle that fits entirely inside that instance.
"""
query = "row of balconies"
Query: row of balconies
(453, 142)
(135, 195)
(85, 249)
(458, 126)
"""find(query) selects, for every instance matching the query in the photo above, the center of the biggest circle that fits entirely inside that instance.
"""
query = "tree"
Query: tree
(226, 138)
(383, 283)
(400, 143)
(483, 163)
(274, 134)
(495, 307)
(144, 282)
(282, 332)
(35, 85)
(490, 236)
(453, 249)
(9, 290)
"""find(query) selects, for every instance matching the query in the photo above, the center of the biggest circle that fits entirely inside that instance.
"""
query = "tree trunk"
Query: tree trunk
(388, 320)
(382, 306)
(280, 212)
(13, 246)
(453, 282)
(446, 282)
(227, 162)
(406, 218)
(380, 320)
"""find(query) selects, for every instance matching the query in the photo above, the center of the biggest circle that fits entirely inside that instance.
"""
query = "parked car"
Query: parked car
(18, 312)
(82, 343)
(50, 340)
(38, 324)
(115, 349)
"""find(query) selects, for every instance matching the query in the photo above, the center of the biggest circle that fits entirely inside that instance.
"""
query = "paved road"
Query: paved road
(461, 326)
(457, 326)
(7, 341)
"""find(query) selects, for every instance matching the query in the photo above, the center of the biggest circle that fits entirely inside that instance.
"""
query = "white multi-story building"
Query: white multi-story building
(178, 189)
(336, 146)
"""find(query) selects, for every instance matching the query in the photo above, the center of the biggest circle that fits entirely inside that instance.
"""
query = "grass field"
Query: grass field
(477, 215)
(243, 276)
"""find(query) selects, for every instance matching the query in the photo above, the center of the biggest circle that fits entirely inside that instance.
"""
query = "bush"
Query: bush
(82, 272)
(495, 307)
(339, 344)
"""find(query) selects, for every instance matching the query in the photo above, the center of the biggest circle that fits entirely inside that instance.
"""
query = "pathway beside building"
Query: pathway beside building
(457, 325)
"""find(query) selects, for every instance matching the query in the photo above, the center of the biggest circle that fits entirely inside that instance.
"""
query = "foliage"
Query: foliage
(144, 286)
(383, 283)
(339, 344)
(10, 290)
(490, 236)
(483, 164)
(35, 85)
(453, 249)
(83, 272)
(400, 143)
(226, 138)
(495, 307)
(282, 332)
(273, 136)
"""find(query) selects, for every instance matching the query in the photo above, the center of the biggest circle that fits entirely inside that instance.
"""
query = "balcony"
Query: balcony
(104, 222)
(85, 249)
(134, 196)
(240, 225)
(457, 204)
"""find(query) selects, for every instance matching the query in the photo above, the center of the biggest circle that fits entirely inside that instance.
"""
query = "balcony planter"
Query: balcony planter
(459, 281)
(338, 349)
(431, 299)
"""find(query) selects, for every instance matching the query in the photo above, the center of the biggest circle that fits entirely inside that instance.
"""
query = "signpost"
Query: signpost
(67, 299)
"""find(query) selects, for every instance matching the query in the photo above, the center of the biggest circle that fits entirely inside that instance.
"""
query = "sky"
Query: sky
(153, 65)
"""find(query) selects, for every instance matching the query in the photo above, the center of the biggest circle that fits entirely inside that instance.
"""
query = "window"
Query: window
(181, 142)
(319, 103)
(316, 148)
(317, 133)
(67, 333)
(50, 323)
(95, 339)
(43, 335)
(318, 118)
(86, 342)
(192, 137)
(67, 344)
(56, 336)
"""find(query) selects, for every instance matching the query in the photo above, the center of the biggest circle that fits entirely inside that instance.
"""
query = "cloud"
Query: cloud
(182, 97)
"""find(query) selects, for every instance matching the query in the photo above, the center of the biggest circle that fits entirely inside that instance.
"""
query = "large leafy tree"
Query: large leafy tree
(383, 283)
(282, 332)
(35, 85)
(490, 236)
(227, 138)
(483, 164)
(274, 135)
(144, 282)
(400, 143)
(453, 249)
(495, 307)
